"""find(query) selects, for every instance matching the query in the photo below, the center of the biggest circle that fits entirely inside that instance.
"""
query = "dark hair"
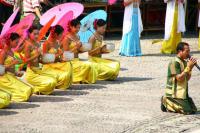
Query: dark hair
(57, 29)
(180, 46)
(73, 23)
(14, 36)
(32, 28)
(99, 23)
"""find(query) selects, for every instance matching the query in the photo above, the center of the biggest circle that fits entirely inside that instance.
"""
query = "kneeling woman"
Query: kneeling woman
(42, 82)
(8, 81)
(83, 71)
(107, 69)
(62, 70)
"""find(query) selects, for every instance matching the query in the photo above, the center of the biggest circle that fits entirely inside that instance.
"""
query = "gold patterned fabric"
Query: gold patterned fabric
(20, 91)
(42, 82)
(63, 73)
(5, 99)
(107, 69)
(83, 71)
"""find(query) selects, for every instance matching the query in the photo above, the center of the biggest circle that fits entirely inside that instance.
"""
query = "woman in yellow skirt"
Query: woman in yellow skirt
(8, 81)
(83, 71)
(174, 25)
(61, 69)
(107, 69)
(40, 80)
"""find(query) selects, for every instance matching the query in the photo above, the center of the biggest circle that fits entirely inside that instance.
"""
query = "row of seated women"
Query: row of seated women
(43, 78)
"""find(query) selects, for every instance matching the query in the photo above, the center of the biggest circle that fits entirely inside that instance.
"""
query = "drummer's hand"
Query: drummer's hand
(16, 61)
(78, 45)
(103, 49)
(60, 52)
(19, 73)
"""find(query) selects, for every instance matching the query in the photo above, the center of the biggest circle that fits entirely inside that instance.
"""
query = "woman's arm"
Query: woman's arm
(128, 2)
(2, 60)
(66, 42)
(94, 51)
(27, 51)
(2, 57)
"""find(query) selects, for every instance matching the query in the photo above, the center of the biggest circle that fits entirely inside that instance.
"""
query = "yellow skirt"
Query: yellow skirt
(63, 72)
(107, 69)
(19, 90)
(4, 99)
(41, 82)
(83, 72)
(169, 46)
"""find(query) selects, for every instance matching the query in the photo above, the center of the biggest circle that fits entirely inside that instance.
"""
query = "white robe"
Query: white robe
(199, 19)
(170, 16)
(199, 15)
(127, 23)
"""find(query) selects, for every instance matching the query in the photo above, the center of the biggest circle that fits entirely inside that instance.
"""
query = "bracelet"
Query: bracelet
(187, 70)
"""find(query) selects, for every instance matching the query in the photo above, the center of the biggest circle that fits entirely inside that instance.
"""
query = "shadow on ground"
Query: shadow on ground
(5, 112)
(22, 106)
(123, 69)
(87, 86)
(49, 99)
(120, 80)
(70, 92)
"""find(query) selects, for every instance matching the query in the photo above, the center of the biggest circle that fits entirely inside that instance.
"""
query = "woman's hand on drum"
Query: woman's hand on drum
(104, 49)
(19, 74)
(78, 45)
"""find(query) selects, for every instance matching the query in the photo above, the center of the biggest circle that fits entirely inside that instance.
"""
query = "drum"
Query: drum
(67, 56)
(48, 58)
(2, 70)
(86, 47)
(110, 47)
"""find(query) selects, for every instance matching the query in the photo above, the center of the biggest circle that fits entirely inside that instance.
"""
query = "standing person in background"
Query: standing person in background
(6, 9)
(132, 27)
(174, 25)
(32, 7)
(199, 21)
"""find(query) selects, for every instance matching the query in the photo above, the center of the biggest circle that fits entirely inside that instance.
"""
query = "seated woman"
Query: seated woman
(8, 81)
(107, 69)
(83, 72)
(62, 70)
(42, 83)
